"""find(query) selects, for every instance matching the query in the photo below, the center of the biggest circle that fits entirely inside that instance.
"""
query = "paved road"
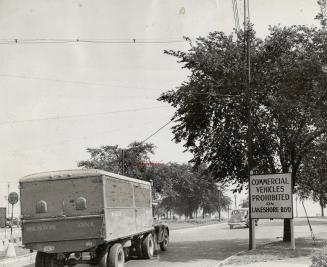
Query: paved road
(208, 245)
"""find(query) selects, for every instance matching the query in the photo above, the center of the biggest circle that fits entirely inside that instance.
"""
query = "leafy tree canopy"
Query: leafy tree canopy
(313, 175)
(136, 159)
(288, 100)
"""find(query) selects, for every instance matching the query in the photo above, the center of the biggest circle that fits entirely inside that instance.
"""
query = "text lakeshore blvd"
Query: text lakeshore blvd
(271, 196)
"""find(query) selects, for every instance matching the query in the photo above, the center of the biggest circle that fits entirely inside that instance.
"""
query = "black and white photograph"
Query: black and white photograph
(163, 133)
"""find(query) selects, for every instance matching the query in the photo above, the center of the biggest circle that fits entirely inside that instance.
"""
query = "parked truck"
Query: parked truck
(88, 216)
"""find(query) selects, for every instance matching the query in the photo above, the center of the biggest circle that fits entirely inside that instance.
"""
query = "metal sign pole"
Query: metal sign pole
(254, 244)
(12, 199)
(12, 221)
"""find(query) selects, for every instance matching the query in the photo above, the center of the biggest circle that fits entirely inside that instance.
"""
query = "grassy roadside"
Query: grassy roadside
(183, 224)
(279, 251)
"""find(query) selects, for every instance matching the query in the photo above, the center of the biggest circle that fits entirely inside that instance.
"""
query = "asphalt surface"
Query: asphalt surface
(208, 245)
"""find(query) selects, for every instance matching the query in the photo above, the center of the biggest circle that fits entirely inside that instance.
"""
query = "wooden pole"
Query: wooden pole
(292, 234)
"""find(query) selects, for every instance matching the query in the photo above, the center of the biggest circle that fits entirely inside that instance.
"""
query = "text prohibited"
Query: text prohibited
(271, 196)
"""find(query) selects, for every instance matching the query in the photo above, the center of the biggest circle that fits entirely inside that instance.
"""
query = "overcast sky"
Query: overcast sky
(59, 99)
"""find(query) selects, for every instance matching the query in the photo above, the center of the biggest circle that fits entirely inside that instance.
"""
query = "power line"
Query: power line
(80, 115)
(86, 83)
(151, 135)
(85, 137)
(236, 16)
(141, 143)
(16, 41)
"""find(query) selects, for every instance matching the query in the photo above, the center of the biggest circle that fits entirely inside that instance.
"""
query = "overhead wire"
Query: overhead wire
(154, 133)
(80, 115)
(84, 137)
(15, 41)
(86, 83)
(236, 15)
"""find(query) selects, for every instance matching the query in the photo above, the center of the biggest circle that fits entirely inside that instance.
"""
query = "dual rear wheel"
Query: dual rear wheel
(114, 256)
(47, 260)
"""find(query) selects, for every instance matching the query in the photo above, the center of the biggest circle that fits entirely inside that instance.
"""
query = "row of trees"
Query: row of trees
(179, 188)
(288, 104)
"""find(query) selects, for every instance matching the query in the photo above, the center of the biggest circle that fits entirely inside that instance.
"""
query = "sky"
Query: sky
(57, 99)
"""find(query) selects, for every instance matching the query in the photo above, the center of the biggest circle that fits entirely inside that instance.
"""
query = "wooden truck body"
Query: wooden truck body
(78, 216)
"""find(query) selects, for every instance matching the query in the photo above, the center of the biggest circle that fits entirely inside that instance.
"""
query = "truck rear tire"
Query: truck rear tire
(165, 240)
(148, 246)
(47, 260)
(116, 256)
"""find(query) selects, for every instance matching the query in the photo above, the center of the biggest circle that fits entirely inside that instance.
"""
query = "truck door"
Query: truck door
(143, 207)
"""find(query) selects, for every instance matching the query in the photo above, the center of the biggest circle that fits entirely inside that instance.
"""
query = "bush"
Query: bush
(319, 260)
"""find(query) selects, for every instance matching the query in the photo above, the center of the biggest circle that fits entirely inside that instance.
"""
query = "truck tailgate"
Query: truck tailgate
(61, 229)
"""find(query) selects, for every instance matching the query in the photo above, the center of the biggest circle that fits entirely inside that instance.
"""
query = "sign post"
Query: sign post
(12, 199)
(271, 198)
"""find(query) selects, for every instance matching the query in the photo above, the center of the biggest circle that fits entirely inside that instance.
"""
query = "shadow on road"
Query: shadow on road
(207, 250)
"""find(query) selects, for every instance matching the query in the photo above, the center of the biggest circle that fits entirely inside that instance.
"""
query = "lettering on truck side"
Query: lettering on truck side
(41, 227)
(85, 224)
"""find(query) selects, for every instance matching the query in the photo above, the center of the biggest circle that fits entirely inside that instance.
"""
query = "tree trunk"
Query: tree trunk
(322, 203)
(287, 222)
(322, 211)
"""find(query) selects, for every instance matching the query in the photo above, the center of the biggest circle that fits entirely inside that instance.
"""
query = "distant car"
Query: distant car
(240, 217)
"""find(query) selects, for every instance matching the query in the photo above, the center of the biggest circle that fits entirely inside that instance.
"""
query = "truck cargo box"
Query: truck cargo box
(81, 209)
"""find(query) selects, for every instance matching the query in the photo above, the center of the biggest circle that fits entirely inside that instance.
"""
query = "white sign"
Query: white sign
(271, 196)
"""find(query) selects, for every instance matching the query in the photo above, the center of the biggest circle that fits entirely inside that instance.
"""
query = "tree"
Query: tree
(185, 190)
(110, 158)
(211, 196)
(288, 100)
(313, 176)
(180, 187)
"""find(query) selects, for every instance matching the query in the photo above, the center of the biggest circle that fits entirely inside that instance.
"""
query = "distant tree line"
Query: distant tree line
(179, 189)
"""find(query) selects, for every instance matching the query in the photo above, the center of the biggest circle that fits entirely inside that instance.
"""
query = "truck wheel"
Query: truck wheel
(116, 256)
(47, 260)
(138, 248)
(230, 226)
(148, 246)
(165, 241)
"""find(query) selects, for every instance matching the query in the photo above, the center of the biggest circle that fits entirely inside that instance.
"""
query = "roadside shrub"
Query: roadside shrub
(319, 260)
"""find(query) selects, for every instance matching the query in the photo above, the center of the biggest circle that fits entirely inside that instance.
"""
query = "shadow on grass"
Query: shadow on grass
(305, 247)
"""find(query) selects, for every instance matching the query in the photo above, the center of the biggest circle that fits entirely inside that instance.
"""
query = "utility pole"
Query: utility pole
(247, 64)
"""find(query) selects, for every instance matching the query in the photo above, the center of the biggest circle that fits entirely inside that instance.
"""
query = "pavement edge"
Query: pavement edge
(24, 259)
(223, 262)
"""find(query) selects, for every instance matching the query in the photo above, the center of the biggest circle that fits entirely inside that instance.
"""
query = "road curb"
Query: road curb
(223, 262)
(24, 259)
